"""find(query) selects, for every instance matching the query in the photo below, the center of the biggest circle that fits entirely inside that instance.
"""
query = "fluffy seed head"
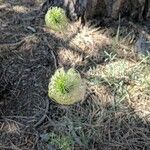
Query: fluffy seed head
(56, 19)
(66, 87)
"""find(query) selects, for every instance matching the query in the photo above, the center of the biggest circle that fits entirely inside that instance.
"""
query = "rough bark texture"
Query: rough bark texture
(134, 9)
(89, 9)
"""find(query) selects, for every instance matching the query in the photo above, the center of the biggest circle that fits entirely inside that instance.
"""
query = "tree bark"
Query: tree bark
(134, 9)
(138, 10)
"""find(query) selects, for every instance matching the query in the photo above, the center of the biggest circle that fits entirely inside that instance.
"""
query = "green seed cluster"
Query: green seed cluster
(66, 87)
(56, 19)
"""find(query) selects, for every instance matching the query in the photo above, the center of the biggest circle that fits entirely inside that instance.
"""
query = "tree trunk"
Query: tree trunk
(134, 9)
(89, 9)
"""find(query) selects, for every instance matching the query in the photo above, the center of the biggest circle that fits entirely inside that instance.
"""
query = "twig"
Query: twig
(36, 141)
(7, 119)
(52, 53)
(7, 147)
(44, 116)
(20, 117)
(9, 46)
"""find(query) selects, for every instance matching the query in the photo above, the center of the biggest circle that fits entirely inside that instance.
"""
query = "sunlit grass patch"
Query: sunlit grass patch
(128, 81)
(140, 84)
(112, 71)
(117, 69)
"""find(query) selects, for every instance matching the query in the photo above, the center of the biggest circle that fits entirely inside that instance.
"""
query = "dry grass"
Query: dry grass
(115, 114)
(90, 41)
(69, 57)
